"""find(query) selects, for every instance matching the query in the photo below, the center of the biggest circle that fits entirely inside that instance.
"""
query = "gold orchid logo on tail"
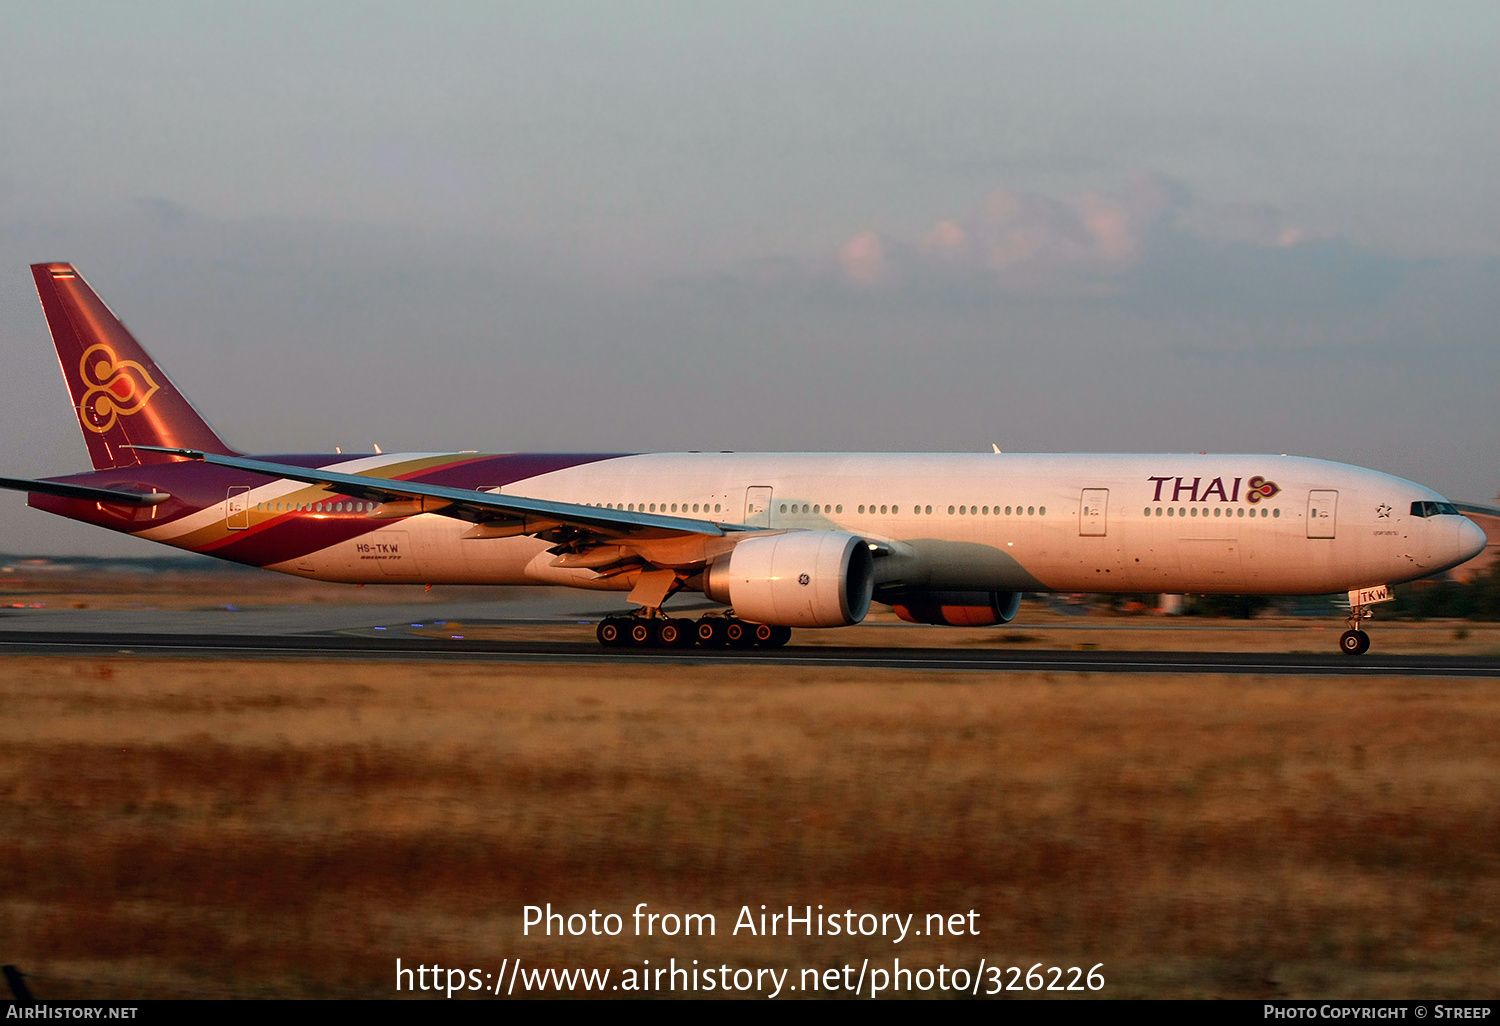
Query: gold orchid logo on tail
(113, 388)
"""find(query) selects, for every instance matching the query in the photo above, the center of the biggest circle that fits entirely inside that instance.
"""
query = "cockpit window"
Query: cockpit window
(1434, 509)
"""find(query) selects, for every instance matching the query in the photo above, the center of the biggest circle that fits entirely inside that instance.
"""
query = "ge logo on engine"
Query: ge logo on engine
(803, 579)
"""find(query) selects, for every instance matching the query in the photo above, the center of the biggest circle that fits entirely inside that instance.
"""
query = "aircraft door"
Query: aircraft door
(758, 506)
(1322, 513)
(237, 508)
(1092, 511)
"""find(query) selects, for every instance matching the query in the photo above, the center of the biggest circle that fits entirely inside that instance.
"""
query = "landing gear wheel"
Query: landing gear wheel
(763, 632)
(610, 632)
(779, 637)
(710, 631)
(676, 633)
(739, 634)
(644, 633)
(1354, 642)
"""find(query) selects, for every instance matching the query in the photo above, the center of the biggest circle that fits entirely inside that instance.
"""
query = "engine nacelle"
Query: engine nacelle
(798, 579)
(960, 608)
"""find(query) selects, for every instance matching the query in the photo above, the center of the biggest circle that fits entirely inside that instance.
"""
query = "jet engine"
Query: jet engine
(797, 579)
(959, 608)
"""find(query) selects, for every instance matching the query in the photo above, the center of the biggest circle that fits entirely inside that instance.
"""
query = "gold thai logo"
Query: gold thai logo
(112, 388)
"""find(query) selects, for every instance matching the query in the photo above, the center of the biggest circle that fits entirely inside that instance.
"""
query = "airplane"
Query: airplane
(805, 540)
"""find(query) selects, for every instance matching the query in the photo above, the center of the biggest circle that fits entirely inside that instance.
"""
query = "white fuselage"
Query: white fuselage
(980, 522)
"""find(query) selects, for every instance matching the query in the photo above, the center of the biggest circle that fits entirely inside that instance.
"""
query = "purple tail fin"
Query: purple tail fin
(121, 397)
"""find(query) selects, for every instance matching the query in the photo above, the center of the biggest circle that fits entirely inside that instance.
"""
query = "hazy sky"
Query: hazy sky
(775, 226)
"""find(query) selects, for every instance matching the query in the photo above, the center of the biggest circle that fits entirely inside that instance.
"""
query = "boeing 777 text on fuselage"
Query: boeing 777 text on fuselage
(785, 540)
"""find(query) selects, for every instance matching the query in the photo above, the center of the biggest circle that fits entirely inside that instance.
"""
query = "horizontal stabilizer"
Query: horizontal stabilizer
(113, 496)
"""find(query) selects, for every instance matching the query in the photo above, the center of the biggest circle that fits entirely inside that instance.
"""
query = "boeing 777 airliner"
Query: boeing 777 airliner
(785, 540)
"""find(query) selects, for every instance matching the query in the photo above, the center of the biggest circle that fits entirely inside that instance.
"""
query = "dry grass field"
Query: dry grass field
(170, 828)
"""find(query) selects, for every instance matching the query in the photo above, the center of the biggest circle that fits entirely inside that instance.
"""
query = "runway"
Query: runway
(397, 647)
(459, 630)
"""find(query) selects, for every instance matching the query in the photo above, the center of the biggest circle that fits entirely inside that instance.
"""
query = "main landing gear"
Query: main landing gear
(1355, 641)
(709, 631)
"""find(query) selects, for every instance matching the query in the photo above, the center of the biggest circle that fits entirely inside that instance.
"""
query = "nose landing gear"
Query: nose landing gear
(1355, 641)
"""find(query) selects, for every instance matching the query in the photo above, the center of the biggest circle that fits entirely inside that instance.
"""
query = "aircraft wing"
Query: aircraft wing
(541, 517)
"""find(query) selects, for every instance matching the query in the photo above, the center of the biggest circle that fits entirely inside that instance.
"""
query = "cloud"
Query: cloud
(1097, 243)
(1024, 239)
(863, 259)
